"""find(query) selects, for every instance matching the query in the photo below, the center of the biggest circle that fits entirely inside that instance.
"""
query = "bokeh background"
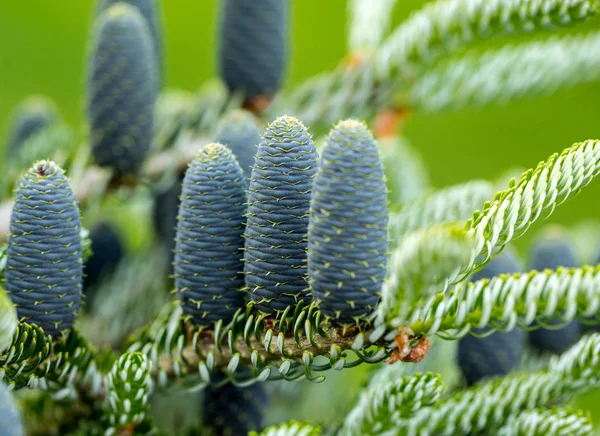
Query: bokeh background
(43, 46)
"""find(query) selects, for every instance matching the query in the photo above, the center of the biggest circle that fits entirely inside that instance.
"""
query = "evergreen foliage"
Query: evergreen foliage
(497, 353)
(285, 265)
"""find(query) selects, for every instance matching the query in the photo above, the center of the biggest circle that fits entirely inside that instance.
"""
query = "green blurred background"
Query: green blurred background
(43, 48)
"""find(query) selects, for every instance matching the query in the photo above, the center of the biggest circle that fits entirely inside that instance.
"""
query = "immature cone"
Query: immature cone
(44, 258)
(347, 234)
(278, 204)
(239, 131)
(209, 242)
(500, 352)
(150, 10)
(253, 45)
(29, 118)
(552, 252)
(122, 89)
(10, 418)
(230, 410)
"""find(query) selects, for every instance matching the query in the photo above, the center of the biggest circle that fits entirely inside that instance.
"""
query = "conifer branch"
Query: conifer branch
(382, 406)
(291, 428)
(369, 21)
(419, 267)
(446, 26)
(534, 196)
(507, 301)
(546, 422)
(512, 72)
(455, 203)
(488, 406)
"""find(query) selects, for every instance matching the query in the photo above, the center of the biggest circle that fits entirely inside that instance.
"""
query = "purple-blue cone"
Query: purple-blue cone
(278, 204)
(347, 234)
(208, 248)
(44, 257)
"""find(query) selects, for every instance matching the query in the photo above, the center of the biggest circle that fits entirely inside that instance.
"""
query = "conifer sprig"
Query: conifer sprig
(446, 26)
(512, 72)
(510, 300)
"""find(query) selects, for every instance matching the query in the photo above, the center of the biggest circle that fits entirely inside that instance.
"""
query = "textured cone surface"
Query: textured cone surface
(552, 253)
(44, 258)
(253, 45)
(239, 131)
(496, 354)
(278, 205)
(122, 89)
(10, 418)
(208, 253)
(31, 117)
(230, 410)
(107, 252)
(347, 235)
(150, 10)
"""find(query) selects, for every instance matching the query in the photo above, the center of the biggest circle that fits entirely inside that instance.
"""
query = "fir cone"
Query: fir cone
(44, 258)
(230, 410)
(550, 253)
(239, 131)
(107, 252)
(122, 89)
(208, 253)
(150, 10)
(29, 118)
(253, 45)
(278, 205)
(500, 352)
(347, 234)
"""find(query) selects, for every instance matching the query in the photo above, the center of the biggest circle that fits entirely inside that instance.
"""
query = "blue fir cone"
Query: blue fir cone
(151, 11)
(347, 234)
(230, 410)
(122, 89)
(253, 45)
(10, 418)
(44, 257)
(107, 252)
(209, 242)
(28, 119)
(500, 352)
(164, 216)
(278, 205)
(551, 252)
(240, 132)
